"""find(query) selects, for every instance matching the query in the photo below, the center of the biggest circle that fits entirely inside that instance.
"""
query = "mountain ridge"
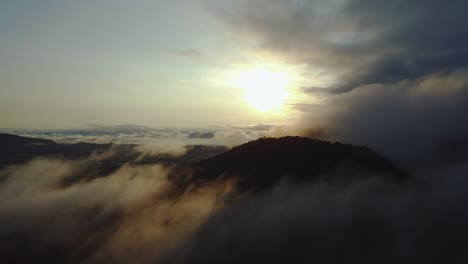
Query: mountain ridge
(263, 162)
(255, 165)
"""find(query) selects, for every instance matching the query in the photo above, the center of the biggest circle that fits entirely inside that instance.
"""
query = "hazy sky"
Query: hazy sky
(206, 62)
(72, 63)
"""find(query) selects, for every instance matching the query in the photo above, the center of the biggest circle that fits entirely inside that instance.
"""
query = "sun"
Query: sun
(265, 90)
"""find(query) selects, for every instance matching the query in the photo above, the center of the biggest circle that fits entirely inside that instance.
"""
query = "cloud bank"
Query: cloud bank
(129, 216)
(357, 42)
(416, 122)
(156, 214)
(364, 223)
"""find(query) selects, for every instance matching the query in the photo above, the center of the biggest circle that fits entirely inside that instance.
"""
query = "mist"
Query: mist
(417, 123)
(129, 216)
(143, 214)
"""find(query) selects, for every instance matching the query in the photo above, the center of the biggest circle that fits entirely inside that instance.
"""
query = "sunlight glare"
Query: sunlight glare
(265, 90)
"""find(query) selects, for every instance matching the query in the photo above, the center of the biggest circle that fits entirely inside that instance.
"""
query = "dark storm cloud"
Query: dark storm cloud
(358, 41)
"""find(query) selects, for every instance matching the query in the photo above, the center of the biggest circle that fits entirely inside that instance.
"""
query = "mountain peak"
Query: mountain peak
(263, 162)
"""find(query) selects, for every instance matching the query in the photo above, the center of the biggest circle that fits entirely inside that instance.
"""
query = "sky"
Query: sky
(308, 64)
(72, 63)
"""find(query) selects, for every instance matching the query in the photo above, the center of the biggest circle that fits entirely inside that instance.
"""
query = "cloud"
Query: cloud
(154, 213)
(363, 223)
(129, 216)
(200, 135)
(409, 121)
(153, 138)
(172, 148)
(190, 53)
(234, 137)
(356, 42)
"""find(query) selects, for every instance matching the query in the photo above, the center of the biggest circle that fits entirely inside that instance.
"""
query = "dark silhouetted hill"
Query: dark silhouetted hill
(17, 149)
(262, 163)
(258, 164)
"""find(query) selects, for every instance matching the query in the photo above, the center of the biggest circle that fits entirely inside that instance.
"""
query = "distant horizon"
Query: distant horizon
(130, 125)
(167, 137)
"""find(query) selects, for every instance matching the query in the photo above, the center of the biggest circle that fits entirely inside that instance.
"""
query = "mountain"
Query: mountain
(256, 165)
(262, 163)
(17, 149)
